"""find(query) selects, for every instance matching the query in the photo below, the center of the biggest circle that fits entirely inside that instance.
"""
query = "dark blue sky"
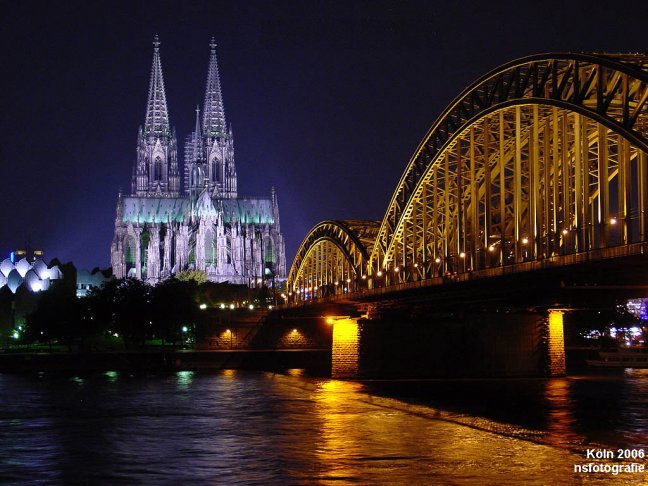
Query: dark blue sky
(327, 99)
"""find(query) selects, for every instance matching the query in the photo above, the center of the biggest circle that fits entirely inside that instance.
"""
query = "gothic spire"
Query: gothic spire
(214, 112)
(197, 135)
(157, 116)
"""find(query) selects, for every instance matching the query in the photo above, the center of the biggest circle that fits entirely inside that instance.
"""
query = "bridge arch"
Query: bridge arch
(543, 156)
(332, 259)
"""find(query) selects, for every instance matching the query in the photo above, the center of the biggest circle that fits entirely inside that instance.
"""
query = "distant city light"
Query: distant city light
(203, 306)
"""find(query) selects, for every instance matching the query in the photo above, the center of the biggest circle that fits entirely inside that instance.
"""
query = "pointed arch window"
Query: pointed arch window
(157, 169)
(215, 168)
(130, 253)
(144, 249)
(269, 256)
(192, 252)
(196, 177)
(210, 248)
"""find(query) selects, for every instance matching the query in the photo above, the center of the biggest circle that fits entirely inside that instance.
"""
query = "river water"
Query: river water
(235, 427)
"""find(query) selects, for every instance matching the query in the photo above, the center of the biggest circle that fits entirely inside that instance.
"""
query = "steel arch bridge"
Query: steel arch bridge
(332, 259)
(545, 156)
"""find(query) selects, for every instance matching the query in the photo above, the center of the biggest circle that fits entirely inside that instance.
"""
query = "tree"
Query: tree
(198, 276)
(173, 306)
(57, 317)
(123, 306)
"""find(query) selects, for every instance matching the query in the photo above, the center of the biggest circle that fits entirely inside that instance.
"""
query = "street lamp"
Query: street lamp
(525, 255)
(228, 331)
(462, 255)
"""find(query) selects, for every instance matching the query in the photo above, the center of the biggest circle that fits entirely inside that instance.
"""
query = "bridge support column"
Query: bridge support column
(555, 343)
(346, 348)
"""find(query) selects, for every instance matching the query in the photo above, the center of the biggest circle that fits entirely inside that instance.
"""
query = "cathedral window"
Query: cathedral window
(269, 256)
(210, 248)
(157, 169)
(144, 248)
(192, 252)
(130, 253)
(214, 171)
(196, 176)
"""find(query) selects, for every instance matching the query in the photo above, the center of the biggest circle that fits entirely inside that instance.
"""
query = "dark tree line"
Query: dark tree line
(132, 313)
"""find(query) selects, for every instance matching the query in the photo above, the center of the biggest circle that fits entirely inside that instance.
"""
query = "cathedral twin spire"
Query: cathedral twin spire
(209, 153)
(157, 115)
(214, 112)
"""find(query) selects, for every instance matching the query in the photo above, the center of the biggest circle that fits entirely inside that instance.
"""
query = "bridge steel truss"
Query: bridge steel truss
(332, 259)
(543, 156)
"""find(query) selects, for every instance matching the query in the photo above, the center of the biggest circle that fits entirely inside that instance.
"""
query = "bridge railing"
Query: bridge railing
(550, 262)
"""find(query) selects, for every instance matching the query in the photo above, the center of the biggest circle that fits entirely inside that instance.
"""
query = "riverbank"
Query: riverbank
(315, 360)
(169, 360)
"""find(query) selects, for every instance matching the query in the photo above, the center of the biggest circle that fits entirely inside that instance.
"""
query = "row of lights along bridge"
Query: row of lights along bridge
(448, 266)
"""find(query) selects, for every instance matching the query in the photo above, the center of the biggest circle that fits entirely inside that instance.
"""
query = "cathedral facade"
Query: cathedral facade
(193, 219)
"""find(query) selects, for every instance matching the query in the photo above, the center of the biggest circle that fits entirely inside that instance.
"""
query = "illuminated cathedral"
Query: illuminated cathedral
(193, 218)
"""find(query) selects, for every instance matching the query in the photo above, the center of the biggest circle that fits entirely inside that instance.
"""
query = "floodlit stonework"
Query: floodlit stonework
(161, 229)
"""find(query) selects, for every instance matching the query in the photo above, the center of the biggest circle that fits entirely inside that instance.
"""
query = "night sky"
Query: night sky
(327, 99)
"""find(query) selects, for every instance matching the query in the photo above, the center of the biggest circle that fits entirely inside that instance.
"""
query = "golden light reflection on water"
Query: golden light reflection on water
(296, 372)
(229, 374)
(338, 437)
(560, 413)
(369, 438)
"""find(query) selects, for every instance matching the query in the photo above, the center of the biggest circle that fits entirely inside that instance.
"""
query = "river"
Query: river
(235, 427)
